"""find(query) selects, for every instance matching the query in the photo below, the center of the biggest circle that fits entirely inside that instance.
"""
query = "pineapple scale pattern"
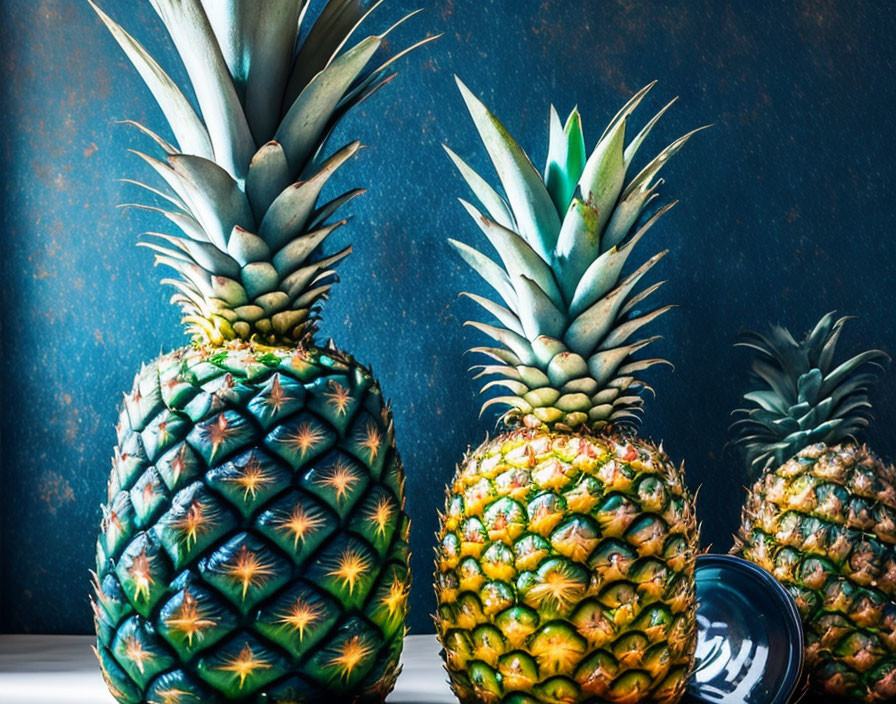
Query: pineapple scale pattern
(564, 572)
(254, 545)
(824, 524)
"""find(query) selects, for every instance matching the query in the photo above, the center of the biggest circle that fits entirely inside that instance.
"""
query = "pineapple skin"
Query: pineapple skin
(565, 571)
(254, 545)
(824, 524)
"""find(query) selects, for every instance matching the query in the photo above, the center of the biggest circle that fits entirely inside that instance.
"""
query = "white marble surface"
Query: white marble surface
(63, 669)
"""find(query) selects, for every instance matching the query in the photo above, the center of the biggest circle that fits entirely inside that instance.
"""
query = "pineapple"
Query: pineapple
(822, 516)
(254, 546)
(565, 556)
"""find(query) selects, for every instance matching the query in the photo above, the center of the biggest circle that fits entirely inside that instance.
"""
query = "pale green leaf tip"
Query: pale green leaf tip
(469, 98)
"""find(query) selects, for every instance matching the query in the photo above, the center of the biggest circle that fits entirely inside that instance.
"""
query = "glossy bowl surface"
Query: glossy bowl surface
(750, 638)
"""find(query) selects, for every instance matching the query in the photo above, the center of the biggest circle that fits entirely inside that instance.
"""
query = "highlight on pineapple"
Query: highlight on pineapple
(254, 543)
(565, 556)
(821, 517)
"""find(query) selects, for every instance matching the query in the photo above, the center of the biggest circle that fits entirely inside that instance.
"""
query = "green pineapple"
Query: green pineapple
(254, 544)
(565, 557)
(822, 515)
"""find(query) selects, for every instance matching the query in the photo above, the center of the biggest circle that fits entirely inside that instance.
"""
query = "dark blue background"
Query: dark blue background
(786, 213)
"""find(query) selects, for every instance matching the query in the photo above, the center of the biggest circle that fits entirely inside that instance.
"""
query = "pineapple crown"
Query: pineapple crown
(801, 396)
(245, 171)
(570, 323)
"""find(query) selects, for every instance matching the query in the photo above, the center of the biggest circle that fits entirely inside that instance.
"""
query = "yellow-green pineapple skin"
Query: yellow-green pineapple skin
(824, 524)
(565, 557)
(822, 515)
(565, 571)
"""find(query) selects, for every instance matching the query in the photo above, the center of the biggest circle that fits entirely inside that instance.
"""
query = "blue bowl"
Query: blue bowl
(750, 638)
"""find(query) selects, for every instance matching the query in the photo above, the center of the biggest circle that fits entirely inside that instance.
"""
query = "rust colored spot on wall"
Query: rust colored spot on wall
(55, 491)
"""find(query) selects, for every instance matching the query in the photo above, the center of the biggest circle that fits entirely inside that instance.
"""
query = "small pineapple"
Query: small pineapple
(254, 544)
(565, 557)
(822, 515)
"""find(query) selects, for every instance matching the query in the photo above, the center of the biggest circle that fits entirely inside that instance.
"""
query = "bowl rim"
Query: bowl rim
(788, 608)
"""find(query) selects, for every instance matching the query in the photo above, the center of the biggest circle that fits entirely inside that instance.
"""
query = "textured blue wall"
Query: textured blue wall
(787, 212)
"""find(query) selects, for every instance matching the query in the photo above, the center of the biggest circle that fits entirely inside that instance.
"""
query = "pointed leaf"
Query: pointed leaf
(621, 333)
(258, 49)
(639, 366)
(491, 272)
(498, 354)
(294, 254)
(297, 281)
(626, 214)
(374, 79)
(311, 296)
(857, 383)
(768, 400)
(169, 197)
(336, 20)
(494, 205)
(290, 211)
(516, 387)
(304, 123)
(512, 401)
(843, 371)
(566, 159)
(233, 25)
(855, 408)
(190, 227)
(589, 328)
(604, 175)
(642, 180)
(777, 380)
(530, 201)
(639, 298)
(205, 255)
(268, 176)
(370, 83)
(627, 109)
(515, 343)
(172, 254)
(518, 256)
(212, 83)
(636, 143)
(605, 363)
(484, 370)
(164, 144)
(501, 314)
(174, 180)
(189, 131)
(826, 356)
(538, 314)
(246, 247)
(603, 274)
(195, 274)
(578, 244)
(259, 278)
(215, 199)
(323, 213)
